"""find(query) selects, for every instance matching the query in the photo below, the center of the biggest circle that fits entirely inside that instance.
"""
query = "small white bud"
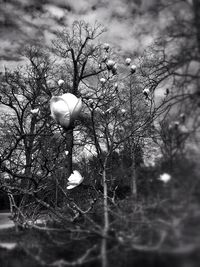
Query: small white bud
(146, 92)
(110, 63)
(102, 80)
(133, 68)
(66, 152)
(105, 58)
(176, 123)
(114, 69)
(116, 85)
(61, 82)
(165, 177)
(182, 116)
(128, 61)
(35, 111)
(106, 46)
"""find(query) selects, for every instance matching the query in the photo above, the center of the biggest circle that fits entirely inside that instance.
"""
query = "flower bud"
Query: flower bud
(60, 82)
(128, 61)
(133, 69)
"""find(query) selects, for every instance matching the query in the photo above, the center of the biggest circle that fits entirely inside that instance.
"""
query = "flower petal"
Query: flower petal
(74, 180)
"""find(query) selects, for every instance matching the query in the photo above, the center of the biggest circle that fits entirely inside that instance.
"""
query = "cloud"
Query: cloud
(126, 27)
(130, 25)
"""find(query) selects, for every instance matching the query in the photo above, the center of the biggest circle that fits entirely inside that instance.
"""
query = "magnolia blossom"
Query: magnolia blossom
(105, 58)
(35, 111)
(165, 177)
(128, 61)
(65, 109)
(106, 46)
(133, 69)
(61, 82)
(182, 116)
(114, 69)
(74, 180)
(146, 92)
(110, 63)
(176, 124)
(66, 152)
(102, 80)
(116, 85)
(123, 110)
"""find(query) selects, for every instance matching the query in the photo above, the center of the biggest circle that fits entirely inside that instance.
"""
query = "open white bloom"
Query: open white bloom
(165, 177)
(133, 68)
(128, 61)
(102, 80)
(65, 109)
(61, 82)
(106, 46)
(74, 180)
(111, 64)
(66, 152)
(35, 111)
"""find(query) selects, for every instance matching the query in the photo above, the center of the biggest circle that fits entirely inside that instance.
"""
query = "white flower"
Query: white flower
(102, 80)
(133, 69)
(128, 61)
(146, 92)
(176, 124)
(110, 63)
(35, 111)
(114, 69)
(165, 177)
(105, 58)
(116, 85)
(123, 110)
(74, 180)
(65, 109)
(106, 46)
(66, 152)
(61, 82)
(182, 116)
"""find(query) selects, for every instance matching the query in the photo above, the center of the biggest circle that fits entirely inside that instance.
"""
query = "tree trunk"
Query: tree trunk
(106, 220)
(133, 178)
(69, 143)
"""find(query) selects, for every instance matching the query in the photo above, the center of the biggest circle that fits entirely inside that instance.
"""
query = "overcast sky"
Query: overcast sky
(130, 24)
